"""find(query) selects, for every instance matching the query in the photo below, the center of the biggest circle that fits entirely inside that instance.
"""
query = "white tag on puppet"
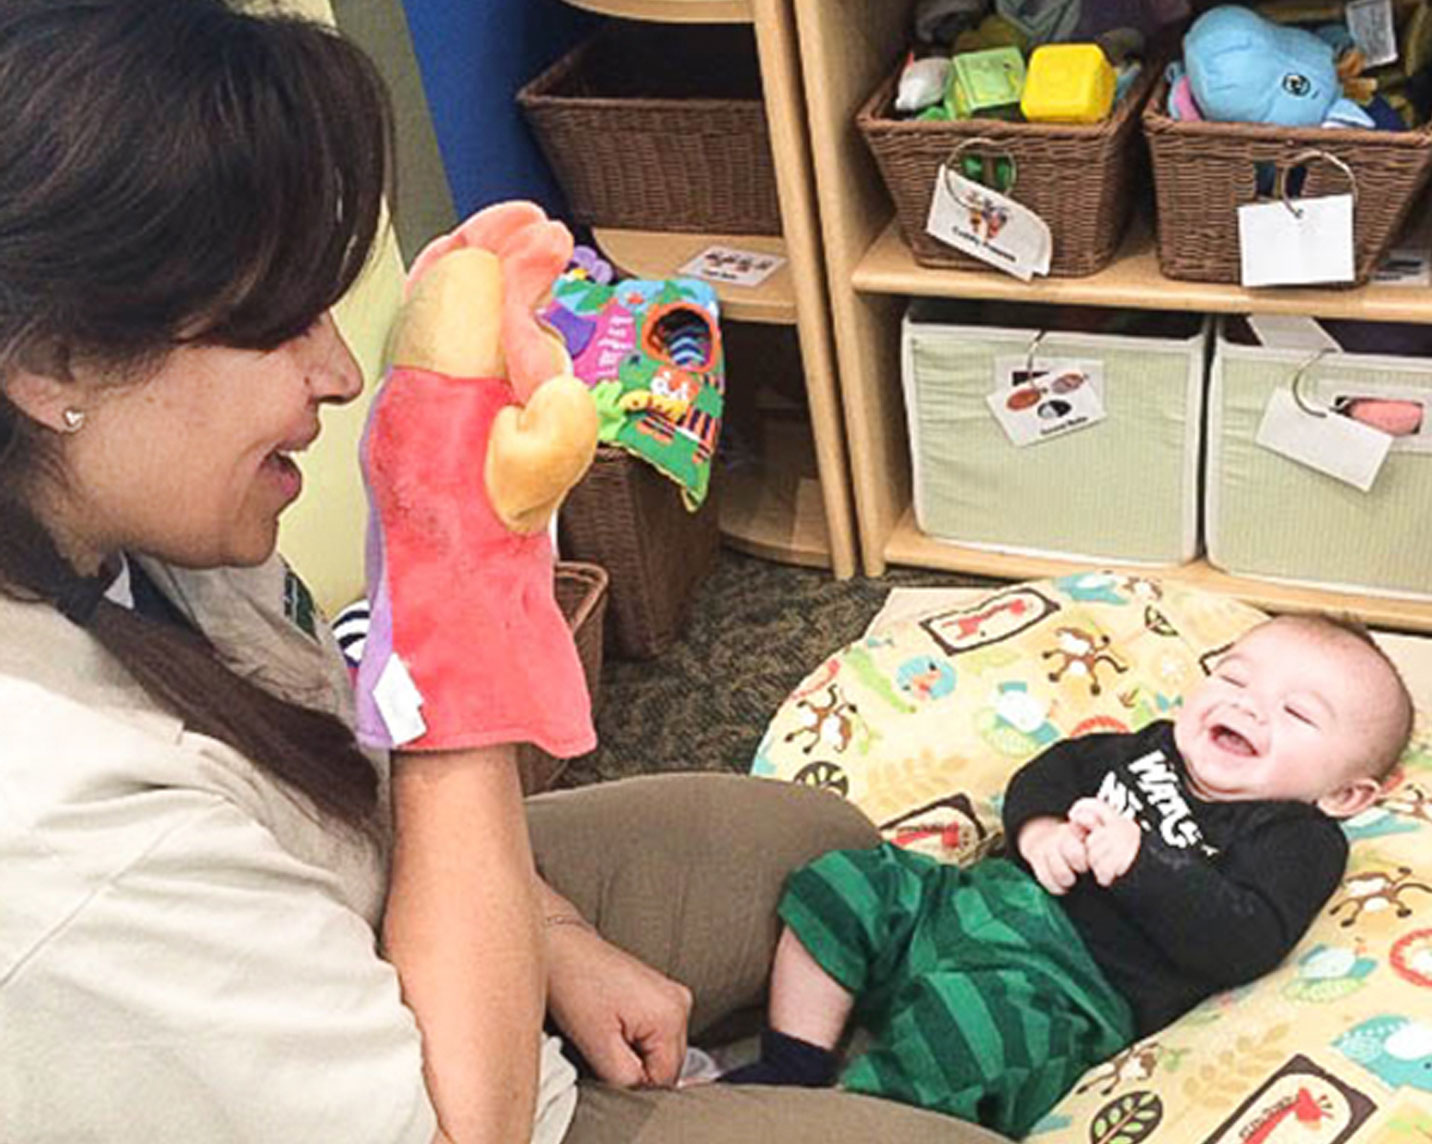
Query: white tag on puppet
(989, 226)
(399, 700)
(1039, 400)
(1298, 241)
(1335, 445)
(1373, 30)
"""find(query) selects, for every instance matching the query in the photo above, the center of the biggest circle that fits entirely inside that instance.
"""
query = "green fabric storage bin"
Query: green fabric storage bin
(1123, 490)
(1271, 518)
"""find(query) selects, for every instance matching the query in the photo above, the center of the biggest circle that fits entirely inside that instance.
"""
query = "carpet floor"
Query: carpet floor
(755, 630)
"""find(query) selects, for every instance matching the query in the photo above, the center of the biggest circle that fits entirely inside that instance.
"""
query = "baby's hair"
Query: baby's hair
(1388, 751)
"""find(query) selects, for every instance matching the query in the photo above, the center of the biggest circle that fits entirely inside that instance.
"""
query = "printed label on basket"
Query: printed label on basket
(989, 226)
(398, 700)
(1038, 399)
(1337, 446)
(732, 266)
(1373, 30)
(1297, 241)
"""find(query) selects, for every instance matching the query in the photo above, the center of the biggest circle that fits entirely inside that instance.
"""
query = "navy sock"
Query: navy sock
(787, 1060)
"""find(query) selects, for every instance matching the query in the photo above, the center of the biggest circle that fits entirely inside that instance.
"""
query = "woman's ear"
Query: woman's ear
(1351, 798)
(46, 400)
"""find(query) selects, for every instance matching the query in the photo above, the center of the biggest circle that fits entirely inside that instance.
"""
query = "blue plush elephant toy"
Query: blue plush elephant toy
(1243, 68)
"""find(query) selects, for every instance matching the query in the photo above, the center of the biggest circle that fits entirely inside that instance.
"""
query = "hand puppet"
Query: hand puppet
(477, 432)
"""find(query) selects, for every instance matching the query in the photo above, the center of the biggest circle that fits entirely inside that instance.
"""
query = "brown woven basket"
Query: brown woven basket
(659, 130)
(628, 518)
(582, 595)
(1081, 179)
(1204, 171)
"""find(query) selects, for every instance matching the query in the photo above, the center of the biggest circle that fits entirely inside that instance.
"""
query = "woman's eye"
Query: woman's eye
(1296, 85)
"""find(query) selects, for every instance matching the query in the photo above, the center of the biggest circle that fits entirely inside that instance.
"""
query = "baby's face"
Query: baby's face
(1286, 714)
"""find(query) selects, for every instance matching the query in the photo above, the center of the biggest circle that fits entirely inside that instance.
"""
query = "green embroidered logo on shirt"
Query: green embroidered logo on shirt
(298, 605)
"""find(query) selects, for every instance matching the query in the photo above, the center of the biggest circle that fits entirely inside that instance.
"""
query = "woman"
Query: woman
(195, 858)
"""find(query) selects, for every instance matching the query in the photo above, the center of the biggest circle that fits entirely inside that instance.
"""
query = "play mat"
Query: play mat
(921, 722)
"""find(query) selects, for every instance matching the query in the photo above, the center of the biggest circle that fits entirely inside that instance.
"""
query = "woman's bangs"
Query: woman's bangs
(301, 231)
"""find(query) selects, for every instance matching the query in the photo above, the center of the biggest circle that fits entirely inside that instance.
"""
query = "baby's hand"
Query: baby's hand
(1055, 852)
(1112, 841)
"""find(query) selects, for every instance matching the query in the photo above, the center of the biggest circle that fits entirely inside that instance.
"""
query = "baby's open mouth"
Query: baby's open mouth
(1227, 739)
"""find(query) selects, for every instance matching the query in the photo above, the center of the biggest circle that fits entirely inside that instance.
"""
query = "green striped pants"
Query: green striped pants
(979, 995)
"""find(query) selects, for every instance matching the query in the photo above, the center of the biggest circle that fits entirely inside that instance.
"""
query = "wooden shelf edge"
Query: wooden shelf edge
(775, 519)
(907, 545)
(673, 11)
(1132, 279)
(660, 254)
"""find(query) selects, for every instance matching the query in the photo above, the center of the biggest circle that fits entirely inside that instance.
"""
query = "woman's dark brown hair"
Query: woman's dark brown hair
(177, 171)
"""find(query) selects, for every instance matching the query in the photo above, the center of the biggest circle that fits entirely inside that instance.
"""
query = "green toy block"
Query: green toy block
(987, 83)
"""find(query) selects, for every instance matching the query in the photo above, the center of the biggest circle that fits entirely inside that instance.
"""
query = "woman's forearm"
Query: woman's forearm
(463, 930)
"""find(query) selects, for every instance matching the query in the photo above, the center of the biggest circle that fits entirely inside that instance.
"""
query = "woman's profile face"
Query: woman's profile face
(193, 464)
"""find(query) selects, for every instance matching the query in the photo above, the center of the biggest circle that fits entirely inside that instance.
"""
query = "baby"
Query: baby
(1148, 871)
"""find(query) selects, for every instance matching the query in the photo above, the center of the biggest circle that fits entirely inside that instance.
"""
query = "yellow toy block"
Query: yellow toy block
(1068, 83)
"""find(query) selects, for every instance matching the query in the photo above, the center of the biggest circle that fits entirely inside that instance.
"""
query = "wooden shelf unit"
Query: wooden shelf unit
(802, 529)
(660, 254)
(673, 11)
(847, 48)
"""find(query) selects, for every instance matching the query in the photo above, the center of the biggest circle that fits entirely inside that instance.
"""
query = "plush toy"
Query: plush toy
(478, 431)
(1243, 68)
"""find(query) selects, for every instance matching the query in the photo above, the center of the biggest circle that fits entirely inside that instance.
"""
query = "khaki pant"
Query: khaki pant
(684, 871)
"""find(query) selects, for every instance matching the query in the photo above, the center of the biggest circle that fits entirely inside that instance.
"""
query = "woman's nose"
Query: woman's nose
(332, 373)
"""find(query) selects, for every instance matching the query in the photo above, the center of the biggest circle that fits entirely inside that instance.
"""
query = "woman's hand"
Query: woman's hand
(1112, 841)
(1054, 849)
(628, 1020)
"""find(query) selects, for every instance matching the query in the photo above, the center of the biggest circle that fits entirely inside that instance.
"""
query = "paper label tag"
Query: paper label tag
(1405, 266)
(1046, 398)
(1337, 446)
(1296, 242)
(1373, 30)
(1292, 332)
(398, 700)
(736, 267)
(989, 226)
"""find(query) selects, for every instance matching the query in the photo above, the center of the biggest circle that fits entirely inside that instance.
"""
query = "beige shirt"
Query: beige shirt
(185, 952)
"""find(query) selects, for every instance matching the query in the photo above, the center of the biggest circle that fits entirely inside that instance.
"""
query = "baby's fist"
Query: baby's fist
(1112, 841)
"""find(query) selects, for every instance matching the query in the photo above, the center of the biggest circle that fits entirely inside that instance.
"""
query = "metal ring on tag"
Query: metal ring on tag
(1298, 399)
(1302, 157)
(1029, 357)
(948, 165)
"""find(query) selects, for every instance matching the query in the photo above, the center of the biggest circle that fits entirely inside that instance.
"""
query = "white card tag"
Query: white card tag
(1373, 30)
(1292, 332)
(1338, 446)
(989, 226)
(1043, 399)
(736, 267)
(398, 700)
(1296, 242)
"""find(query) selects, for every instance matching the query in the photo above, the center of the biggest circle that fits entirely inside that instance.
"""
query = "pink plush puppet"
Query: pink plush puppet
(478, 431)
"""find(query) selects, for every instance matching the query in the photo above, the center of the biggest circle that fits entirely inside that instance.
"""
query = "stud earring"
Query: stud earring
(74, 420)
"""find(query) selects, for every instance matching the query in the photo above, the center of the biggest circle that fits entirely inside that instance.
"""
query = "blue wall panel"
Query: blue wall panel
(474, 55)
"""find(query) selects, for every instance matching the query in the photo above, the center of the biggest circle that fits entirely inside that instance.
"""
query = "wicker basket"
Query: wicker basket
(582, 596)
(1203, 172)
(659, 129)
(628, 518)
(1081, 179)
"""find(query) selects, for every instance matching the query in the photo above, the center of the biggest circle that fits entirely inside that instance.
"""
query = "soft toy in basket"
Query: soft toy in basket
(1136, 966)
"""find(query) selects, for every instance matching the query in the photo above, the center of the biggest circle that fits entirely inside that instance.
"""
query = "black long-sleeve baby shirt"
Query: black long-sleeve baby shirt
(1219, 892)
